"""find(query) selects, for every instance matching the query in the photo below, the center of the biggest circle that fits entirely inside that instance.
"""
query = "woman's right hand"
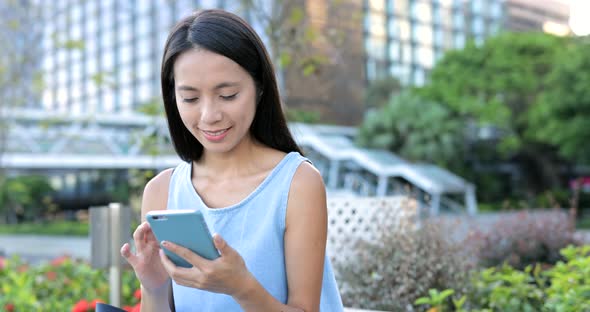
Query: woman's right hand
(146, 261)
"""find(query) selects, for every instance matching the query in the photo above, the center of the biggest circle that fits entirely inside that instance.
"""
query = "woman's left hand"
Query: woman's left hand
(227, 274)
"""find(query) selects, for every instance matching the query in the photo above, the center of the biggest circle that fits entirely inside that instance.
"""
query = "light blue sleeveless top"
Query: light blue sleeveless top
(255, 227)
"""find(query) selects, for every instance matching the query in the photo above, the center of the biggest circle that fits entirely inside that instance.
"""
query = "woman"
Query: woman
(244, 171)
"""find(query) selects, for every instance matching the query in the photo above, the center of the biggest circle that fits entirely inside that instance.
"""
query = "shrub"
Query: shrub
(401, 266)
(523, 238)
(562, 288)
(61, 285)
(569, 288)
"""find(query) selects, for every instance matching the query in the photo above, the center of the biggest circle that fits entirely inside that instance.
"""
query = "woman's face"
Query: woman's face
(216, 99)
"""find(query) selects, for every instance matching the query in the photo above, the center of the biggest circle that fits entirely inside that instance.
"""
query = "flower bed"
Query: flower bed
(64, 284)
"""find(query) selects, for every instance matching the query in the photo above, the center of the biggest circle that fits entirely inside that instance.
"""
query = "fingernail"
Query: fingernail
(217, 238)
(164, 243)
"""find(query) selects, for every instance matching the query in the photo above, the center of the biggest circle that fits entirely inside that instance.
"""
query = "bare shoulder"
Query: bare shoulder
(307, 195)
(307, 180)
(155, 193)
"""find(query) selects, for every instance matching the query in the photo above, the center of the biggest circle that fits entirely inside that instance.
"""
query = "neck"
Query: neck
(236, 162)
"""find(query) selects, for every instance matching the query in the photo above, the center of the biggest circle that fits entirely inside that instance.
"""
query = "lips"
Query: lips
(215, 135)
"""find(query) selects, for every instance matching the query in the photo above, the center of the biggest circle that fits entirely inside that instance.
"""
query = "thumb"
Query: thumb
(221, 245)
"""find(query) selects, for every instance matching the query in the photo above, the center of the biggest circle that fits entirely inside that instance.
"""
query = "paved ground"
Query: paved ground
(35, 248)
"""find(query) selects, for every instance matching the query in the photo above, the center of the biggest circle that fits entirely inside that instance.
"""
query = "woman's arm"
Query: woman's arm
(305, 238)
(155, 197)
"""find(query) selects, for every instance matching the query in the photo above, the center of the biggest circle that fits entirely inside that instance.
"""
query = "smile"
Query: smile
(215, 136)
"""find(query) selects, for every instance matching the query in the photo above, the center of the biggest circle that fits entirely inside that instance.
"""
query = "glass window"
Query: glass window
(496, 10)
(144, 70)
(91, 65)
(419, 76)
(477, 6)
(108, 61)
(125, 33)
(422, 11)
(125, 77)
(76, 10)
(126, 98)
(401, 7)
(371, 69)
(376, 47)
(377, 5)
(377, 23)
(108, 101)
(125, 54)
(106, 19)
(143, 47)
(400, 29)
(144, 92)
(143, 25)
(91, 27)
(394, 50)
(91, 88)
(143, 6)
(406, 55)
(423, 34)
(425, 56)
(76, 71)
(478, 26)
(458, 21)
(459, 40)
(107, 39)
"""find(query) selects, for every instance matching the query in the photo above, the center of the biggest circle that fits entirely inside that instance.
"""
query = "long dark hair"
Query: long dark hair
(226, 34)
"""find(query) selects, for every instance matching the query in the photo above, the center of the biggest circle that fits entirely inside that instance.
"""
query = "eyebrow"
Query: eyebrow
(217, 87)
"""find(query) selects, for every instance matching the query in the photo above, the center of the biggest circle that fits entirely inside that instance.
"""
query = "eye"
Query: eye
(229, 97)
(191, 100)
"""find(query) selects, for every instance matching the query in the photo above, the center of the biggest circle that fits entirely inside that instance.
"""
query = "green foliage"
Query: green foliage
(496, 83)
(561, 115)
(380, 92)
(47, 228)
(562, 288)
(415, 128)
(435, 298)
(303, 116)
(510, 290)
(58, 285)
(26, 196)
(569, 287)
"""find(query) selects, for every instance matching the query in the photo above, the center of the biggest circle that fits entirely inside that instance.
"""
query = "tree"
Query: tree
(379, 92)
(497, 85)
(415, 128)
(562, 115)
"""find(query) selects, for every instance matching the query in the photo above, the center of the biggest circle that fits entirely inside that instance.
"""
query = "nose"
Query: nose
(210, 113)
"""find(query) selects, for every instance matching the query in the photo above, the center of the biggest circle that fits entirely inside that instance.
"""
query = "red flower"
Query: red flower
(128, 308)
(60, 260)
(136, 308)
(81, 306)
(137, 294)
(22, 268)
(2, 262)
(51, 275)
(94, 302)
(9, 307)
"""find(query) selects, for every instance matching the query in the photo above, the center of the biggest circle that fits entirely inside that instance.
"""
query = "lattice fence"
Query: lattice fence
(354, 218)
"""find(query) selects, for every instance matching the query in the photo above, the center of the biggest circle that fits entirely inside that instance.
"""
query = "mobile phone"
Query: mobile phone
(186, 228)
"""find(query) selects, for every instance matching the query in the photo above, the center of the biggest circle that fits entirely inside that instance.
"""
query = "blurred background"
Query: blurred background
(473, 108)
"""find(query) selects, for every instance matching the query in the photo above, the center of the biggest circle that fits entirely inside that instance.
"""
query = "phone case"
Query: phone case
(186, 228)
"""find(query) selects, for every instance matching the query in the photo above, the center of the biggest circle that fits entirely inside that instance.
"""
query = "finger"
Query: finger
(186, 254)
(128, 255)
(138, 236)
(222, 245)
(180, 275)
